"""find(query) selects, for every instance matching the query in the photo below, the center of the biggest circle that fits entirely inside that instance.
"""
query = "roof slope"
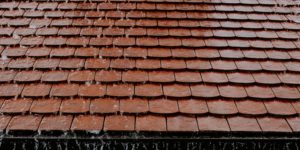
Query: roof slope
(150, 65)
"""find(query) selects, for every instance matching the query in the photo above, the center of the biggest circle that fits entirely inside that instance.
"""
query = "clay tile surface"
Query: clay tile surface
(187, 65)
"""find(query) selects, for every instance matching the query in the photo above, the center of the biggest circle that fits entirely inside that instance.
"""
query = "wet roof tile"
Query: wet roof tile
(226, 65)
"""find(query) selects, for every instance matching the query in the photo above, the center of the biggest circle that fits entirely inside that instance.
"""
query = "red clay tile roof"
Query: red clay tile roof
(150, 65)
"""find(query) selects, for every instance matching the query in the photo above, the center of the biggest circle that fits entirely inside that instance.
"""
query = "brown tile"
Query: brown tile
(56, 123)
(10, 90)
(193, 106)
(259, 92)
(147, 41)
(81, 76)
(148, 90)
(28, 122)
(120, 90)
(14, 52)
(251, 107)
(273, 66)
(222, 107)
(71, 63)
(134, 76)
(207, 53)
(119, 123)
(246, 65)
(269, 124)
(135, 105)
(148, 64)
(45, 106)
(183, 53)
(36, 90)
(230, 53)
(255, 54)
(280, 55)
(170, 42)
(181, 123)
(62, 52)
(188, 77)
(106, 105)
(266, 78)
(198, 64)
(93, 63)
(87, 123)
(135, 52)
(210, 123)
(21, 63)
(94, 90)
(294, 123)
(4, 121)
(286, 92)
(193, 42)
(241, 78)
(173, 64)
(7, 76)
(230, 91)
(64, 90)
(55, 76)
(163, 106)
(75, 106)
(161, 76)
(280, 108)
(108, 76)
(151, 123)
(292, 66)
(289, 78)
(223, 65)
(28, 76)
(214, 77)
(243, 124)
(206, 91)
(176, 90)
(38, 52)
(46, 63)
(87, 52)
(122, 63)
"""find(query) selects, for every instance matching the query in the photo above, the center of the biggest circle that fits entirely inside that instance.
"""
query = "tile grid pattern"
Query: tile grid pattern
(150, 65)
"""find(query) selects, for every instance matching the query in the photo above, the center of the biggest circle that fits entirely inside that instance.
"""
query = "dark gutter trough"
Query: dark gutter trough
(146, 141)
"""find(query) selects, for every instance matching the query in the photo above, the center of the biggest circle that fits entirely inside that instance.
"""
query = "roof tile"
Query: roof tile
(119, 123)
(182, 123)
(56, 123)
(243, 124)
(268, 124)
(29, 122)
(151, 123)
(87, 123)
(210, 123)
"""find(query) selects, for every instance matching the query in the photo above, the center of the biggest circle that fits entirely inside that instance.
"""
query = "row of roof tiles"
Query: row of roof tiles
(170, 14)
(148, 42)
(148, 123)
(217, 65)
(72, 4)
(151, 76)
(214, 107)
(25, 22)
(149, 90)
(151, 32)
(204, 53)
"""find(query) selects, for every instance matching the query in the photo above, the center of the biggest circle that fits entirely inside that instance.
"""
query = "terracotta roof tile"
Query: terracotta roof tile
(29, 122)
(268, 124)
(182, 123)
(87, 123)
(119, 123)
(250, 107)
(56, 123)
(151, 123)
(210, 123)
(243, 124)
